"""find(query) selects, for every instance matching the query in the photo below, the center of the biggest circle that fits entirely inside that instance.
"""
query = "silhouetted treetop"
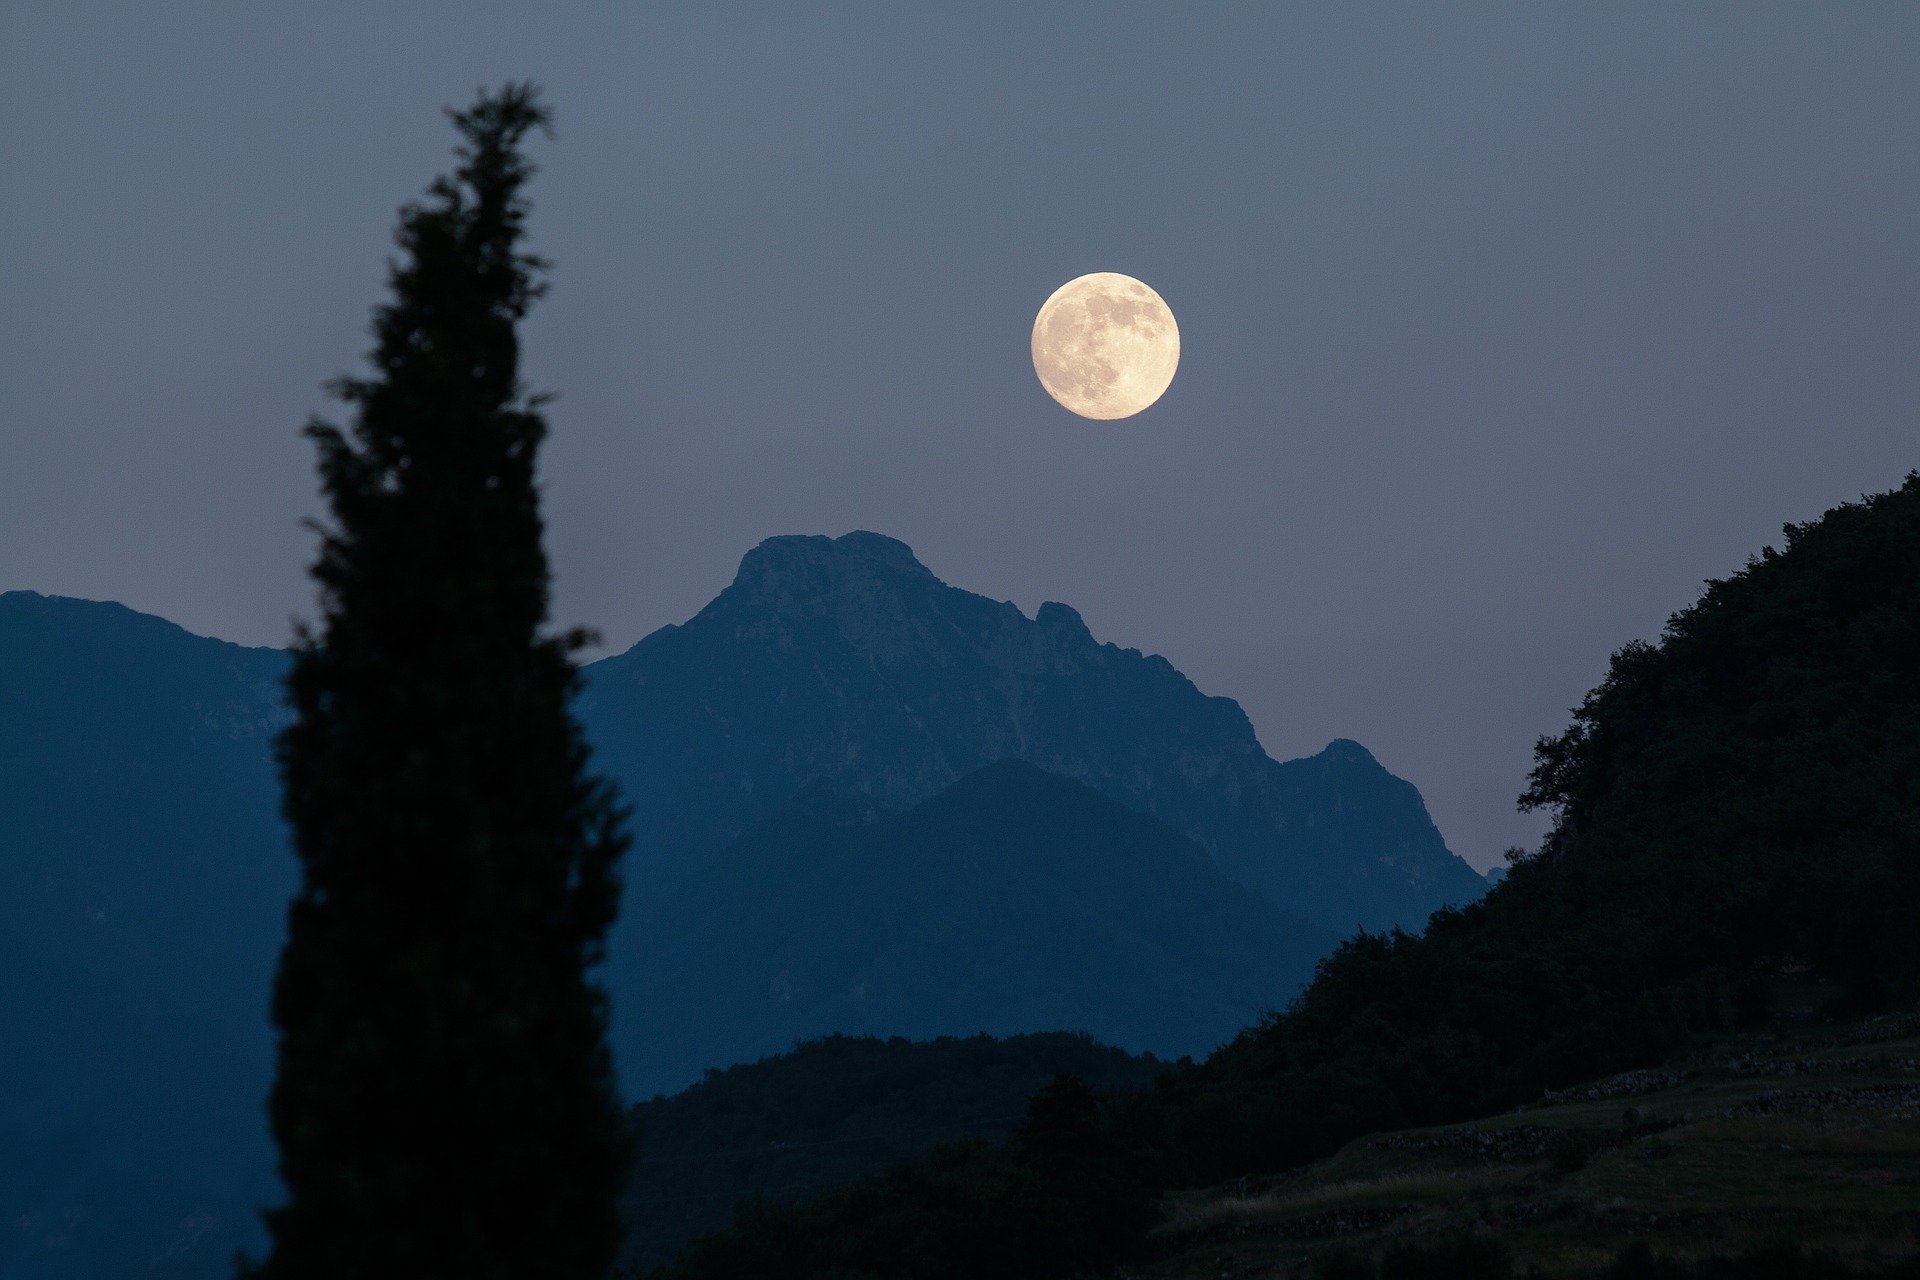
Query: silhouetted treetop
(444, 1104)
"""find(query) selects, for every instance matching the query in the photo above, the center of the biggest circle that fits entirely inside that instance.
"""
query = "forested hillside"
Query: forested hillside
(833, 1110)
(1738, 799)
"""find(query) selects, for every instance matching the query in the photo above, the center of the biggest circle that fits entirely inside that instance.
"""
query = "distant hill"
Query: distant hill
(1012, 901)
(143, 879)
(845, 659)
(831, 1110)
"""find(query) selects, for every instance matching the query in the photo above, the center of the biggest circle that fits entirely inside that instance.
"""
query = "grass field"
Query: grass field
(1811, 1137)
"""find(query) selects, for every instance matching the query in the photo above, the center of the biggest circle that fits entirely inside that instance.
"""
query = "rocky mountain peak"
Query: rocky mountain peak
(1347, 751)
(1063, 622)
(847, 659)
(864, 600)
(808, 565)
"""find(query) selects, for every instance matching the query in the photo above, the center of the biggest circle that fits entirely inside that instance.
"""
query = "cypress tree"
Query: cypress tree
(444, 1104)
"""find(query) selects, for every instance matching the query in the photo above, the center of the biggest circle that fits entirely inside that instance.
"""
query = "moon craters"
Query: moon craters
(1105, 346)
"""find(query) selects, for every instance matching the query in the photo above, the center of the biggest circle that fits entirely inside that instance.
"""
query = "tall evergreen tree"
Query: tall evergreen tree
(445, 1103)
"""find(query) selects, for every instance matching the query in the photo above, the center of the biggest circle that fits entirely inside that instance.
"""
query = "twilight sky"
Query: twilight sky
(1503, 326)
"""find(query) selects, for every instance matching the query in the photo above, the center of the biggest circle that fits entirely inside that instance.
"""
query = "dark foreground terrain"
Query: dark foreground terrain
(1808, 1140)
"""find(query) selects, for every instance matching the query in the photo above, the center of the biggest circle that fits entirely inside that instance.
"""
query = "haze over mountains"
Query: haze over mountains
(818, 850)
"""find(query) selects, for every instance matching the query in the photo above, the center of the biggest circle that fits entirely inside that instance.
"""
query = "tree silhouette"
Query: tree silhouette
(1061, 1135)
(1099, 1205)
(445, 1103)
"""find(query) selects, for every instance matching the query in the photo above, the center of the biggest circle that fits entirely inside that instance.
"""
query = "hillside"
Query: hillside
(1782, 1155)
(1741, 798)
(1012, 901)
(1810, 1136)
(143, 880)
(833, 1110)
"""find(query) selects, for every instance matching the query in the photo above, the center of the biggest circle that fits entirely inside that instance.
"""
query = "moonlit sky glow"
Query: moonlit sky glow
(1504, 325)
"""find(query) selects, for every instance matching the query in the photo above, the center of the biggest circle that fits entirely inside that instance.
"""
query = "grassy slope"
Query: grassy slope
(1811, 1135)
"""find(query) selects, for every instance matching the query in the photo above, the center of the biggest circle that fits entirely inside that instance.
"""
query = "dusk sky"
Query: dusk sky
(1503, 327)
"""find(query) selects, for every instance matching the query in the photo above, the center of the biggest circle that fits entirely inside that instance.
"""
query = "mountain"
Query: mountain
(1012, 901)
(831, 1110)
(143, 885)
(143, 879)
(1735, 851)
(847, 659)
(144, 874)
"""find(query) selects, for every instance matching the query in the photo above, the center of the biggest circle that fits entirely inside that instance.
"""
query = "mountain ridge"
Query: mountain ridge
(143, 881)
(144, 859)
(847, 658)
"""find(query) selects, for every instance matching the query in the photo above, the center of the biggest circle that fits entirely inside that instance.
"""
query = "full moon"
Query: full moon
(1105, 346)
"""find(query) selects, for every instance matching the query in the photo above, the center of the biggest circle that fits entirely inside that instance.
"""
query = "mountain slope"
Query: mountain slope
(1740, 799)
(1714, 1156)
(1013, 901)
(143, 879)
(1725, 1164)
(846, 659)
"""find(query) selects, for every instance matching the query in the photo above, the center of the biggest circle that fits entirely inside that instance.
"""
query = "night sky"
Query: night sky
(1504, 327)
